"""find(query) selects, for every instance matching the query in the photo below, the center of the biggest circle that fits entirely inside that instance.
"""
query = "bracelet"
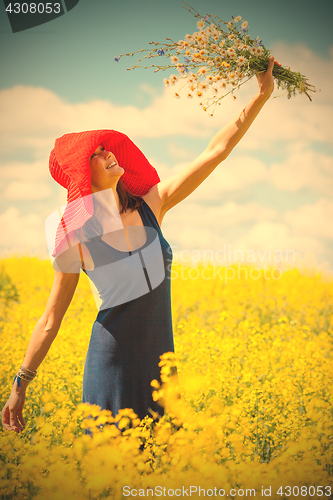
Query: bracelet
(27, 370)
(23, 375)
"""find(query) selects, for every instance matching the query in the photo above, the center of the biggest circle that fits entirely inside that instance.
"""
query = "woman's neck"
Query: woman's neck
(107, 208)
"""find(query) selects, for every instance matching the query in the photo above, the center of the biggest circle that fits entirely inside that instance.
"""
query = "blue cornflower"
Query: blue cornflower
(116, 59)
(160, 52)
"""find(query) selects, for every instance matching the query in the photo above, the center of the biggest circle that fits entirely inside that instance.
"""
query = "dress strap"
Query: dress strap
(81, 256)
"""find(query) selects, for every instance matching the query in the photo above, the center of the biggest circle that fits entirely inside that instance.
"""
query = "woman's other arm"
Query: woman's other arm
(171, 191)
(44, 333)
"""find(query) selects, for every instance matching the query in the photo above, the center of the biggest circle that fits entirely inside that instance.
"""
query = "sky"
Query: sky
(271, 197)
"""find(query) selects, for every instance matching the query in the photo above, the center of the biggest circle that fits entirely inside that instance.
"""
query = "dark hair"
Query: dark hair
(93, 229)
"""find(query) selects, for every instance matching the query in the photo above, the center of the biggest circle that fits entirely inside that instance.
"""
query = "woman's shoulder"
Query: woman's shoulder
(68, 257)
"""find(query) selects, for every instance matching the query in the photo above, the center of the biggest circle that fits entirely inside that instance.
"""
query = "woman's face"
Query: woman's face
(105, 170)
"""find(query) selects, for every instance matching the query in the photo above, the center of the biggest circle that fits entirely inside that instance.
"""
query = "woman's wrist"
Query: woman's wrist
(23, 377)
(264, 95)
(21, 385)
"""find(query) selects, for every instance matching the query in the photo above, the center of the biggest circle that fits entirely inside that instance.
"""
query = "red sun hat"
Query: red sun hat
(69, 166)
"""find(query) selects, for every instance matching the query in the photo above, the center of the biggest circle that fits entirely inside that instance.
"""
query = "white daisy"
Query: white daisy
(172, 79)
(241, 60)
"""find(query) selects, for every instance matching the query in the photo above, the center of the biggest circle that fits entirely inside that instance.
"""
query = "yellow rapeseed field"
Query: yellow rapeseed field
(255, 412)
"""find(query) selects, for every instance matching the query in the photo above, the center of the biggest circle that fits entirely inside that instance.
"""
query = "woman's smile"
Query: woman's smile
(112, 165)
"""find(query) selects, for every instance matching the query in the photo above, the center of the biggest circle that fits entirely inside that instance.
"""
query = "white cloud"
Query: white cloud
(180, 153)
(235, 173)
(313, 220)
(275, 235)
(303, 169)
(21, 171)
(25, 231)
(198, 217)
(194, 226)
(19, 190)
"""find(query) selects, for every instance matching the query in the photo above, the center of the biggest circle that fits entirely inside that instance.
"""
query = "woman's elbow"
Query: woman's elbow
(49, 324)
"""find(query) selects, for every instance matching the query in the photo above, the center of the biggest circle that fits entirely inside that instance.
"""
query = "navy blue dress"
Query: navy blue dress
(134, 325)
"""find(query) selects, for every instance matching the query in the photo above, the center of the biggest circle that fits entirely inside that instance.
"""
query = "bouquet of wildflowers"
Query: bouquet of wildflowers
(220, 56)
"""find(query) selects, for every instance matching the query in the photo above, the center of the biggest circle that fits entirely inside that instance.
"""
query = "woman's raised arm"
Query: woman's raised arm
(173, 190)
(44, 333)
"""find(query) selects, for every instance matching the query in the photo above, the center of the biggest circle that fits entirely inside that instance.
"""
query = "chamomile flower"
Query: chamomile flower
(213, 46)
(238, 18)
(200, 24)
(173, 79)
(241, 60)
(244, 25)
(166, 82)
(174, 59)
(202, 71)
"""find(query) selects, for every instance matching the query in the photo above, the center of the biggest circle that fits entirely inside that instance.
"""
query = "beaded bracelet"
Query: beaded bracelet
(23, 375)
(27, 370)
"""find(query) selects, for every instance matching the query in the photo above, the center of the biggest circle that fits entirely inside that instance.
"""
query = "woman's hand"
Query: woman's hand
(12, 418)
(266, 80)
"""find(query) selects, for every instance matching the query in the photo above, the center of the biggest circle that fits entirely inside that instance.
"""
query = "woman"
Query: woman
(130, 367)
